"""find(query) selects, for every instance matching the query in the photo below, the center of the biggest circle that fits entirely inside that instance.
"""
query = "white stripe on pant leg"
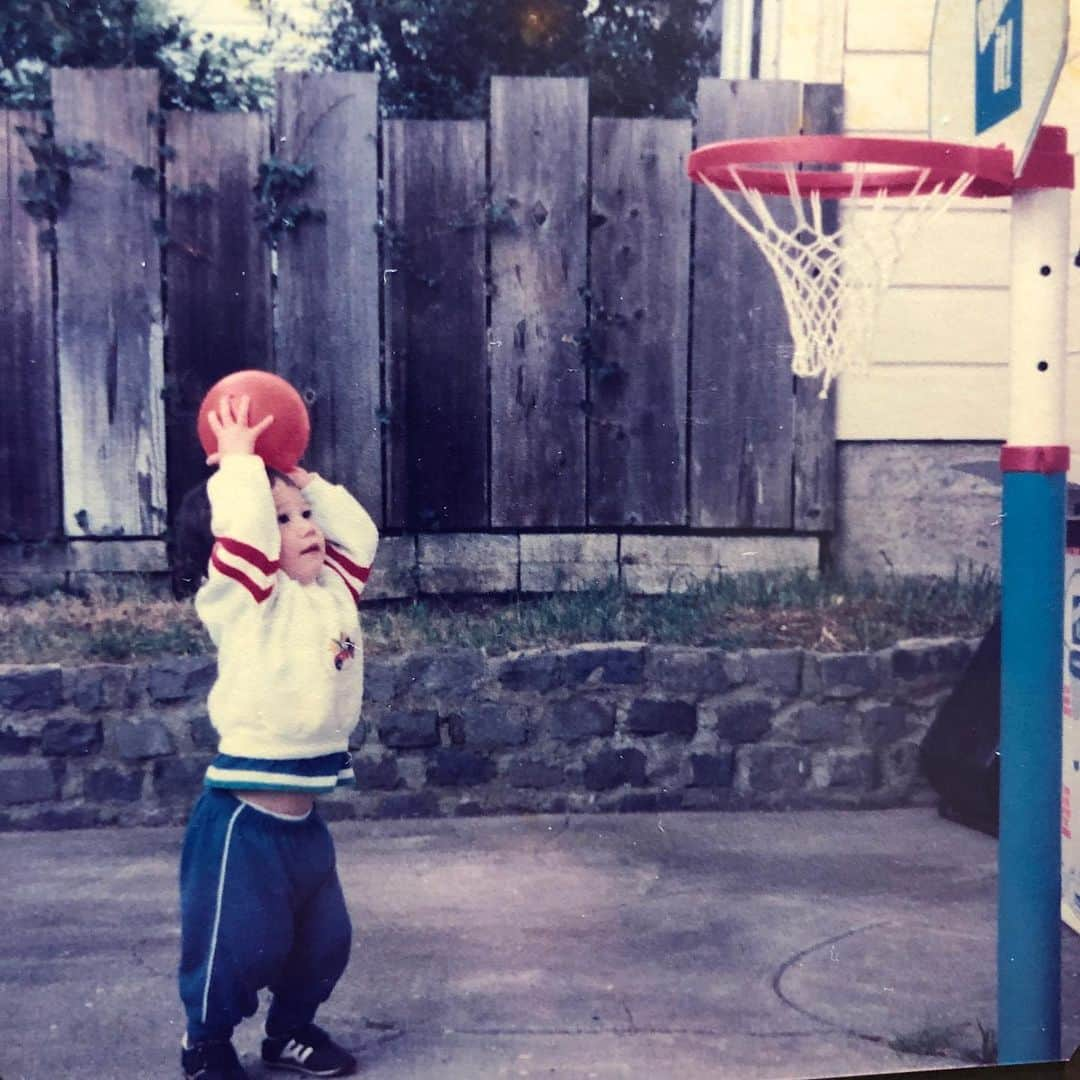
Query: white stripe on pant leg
(217, 911)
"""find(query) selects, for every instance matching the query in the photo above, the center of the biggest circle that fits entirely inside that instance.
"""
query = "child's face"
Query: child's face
(303, 546)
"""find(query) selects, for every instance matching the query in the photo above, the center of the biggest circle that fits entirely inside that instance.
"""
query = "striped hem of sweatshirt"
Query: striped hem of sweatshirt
(316, 775)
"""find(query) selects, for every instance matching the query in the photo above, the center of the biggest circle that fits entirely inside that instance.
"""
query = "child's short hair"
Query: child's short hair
(193, 539)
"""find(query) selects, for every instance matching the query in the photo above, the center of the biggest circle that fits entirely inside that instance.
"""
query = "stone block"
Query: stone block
(920, 658)
(842, 675)
(819, 724)
(689, 671)
(136, 740)
(34, 688)
(560, 562)
(451, 767)
(102, 686)
(661, 564)
(16, 743)
(536, 672)
(741, 719)
(580, 718)
(420, 804)
(410, 730)
(647, 802)
(110, 784)
(649, 717)
(620, 664)
(181, 678)
(611, 768)
(380, 680)
(489, 726)
(776, 670)
(333, 808)
(358, 735)
(884, 724)
(900, 764)
(179, 778)
(441, 671)
(378, 774)
(393, 574)
(204, 735)
(533, 773)
(71, 737)
(712, 770)
(57, 818)
(27, 783)
(849, 768)
(772, 769)
(467, 563)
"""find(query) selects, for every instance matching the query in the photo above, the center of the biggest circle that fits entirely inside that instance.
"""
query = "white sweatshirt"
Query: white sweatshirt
(290, 656)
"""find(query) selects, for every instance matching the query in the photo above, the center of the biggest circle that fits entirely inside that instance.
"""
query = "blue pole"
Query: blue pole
(1029, 851)
(1034, 462)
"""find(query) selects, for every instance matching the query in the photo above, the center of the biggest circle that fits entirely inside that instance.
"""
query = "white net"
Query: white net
(832, 283)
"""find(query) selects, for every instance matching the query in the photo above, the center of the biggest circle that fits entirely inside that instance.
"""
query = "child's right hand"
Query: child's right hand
(230, 426)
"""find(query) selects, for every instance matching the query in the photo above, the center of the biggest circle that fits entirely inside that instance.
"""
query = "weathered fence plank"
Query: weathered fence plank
(639, 284)
(434, 244)
(109, 325)
(218, 271)
(539, 168)
(741, 395)
(29, 426)
(814, 476)
(527, 397)
(328, 275)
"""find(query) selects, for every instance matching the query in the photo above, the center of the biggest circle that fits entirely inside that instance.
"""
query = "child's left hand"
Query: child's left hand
(300, 477)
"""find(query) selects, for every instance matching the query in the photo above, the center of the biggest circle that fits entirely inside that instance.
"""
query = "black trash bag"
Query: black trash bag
(960, 753)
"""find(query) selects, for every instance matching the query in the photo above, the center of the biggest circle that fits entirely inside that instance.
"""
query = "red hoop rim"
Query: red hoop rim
(927, 163)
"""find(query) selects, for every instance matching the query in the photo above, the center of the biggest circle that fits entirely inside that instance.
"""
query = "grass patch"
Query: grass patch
(949, 1040)
(828, 613)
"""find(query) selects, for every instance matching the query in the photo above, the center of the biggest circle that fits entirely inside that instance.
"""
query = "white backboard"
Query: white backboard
(993, 68)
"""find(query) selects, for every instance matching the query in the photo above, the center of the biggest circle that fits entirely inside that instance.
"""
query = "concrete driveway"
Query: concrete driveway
(690, 946)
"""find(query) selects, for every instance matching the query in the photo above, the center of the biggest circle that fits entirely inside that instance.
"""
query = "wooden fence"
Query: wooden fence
(535, 322)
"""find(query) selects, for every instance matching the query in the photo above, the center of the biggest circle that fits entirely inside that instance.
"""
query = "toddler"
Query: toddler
(261, 903)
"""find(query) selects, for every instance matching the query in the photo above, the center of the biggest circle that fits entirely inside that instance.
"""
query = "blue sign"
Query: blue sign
(998, 50)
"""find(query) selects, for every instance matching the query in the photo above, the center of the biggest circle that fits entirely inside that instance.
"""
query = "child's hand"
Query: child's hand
(300, 477)
(230, 425)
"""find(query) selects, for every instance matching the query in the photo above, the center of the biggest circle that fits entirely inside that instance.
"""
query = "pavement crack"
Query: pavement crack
(801, 955)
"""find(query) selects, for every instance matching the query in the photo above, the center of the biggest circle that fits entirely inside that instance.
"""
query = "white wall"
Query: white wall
(939, 368)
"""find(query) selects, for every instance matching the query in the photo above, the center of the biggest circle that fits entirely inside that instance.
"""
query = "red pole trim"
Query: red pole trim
(1037, 459)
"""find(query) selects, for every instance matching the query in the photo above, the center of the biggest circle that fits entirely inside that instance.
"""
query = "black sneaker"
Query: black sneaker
(309, 1051)
(211, 1061)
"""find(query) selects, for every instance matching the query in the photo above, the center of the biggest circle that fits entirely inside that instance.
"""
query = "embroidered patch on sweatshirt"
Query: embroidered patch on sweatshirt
(343, 649)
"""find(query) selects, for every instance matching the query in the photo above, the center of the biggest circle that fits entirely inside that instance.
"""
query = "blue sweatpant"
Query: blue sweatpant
(260, 906)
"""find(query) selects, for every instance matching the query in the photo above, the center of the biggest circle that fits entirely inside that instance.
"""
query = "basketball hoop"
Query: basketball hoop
(832, 280)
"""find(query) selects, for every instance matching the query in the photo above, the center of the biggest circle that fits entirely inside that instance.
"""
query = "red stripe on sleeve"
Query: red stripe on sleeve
(355, 595)
(239, 576)
(250, 554)
(359, 572)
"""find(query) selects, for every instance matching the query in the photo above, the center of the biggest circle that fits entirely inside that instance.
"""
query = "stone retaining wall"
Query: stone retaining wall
(625, 727)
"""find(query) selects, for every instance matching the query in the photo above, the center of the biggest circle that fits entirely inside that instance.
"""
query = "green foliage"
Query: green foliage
(38, 34)
(949, 1040)
(44, 191)
(435, 59)
(277, 191)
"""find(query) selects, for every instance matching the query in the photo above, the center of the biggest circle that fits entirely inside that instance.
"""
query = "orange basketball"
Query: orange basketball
(283, 443)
